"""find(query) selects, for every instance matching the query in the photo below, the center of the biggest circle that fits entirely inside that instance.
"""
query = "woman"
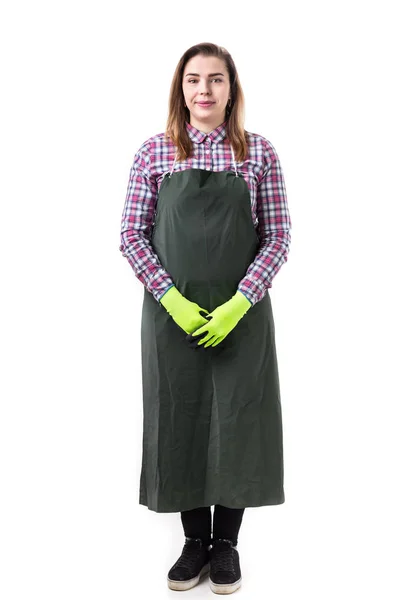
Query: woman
(206, 227)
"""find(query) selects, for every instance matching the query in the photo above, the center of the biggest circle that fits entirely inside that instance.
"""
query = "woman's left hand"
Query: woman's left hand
(222, 320)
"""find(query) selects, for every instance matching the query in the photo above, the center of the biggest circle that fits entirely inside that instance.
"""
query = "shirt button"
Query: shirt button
(207, 152)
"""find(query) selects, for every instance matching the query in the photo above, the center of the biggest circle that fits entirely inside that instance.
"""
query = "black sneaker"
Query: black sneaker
(225, 574)
(193, 563)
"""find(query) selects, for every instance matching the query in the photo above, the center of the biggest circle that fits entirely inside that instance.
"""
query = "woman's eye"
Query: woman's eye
(215, 79)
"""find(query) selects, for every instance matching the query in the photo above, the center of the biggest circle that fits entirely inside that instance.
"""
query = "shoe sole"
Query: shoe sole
(225, 588)
(174, 584)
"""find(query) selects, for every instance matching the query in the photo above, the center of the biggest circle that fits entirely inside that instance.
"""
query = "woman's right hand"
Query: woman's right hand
(184, 312)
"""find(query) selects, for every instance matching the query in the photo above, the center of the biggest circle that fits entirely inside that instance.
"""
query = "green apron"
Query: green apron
(212, 423)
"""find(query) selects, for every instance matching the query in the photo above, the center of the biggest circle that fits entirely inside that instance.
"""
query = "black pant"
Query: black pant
(226, 523)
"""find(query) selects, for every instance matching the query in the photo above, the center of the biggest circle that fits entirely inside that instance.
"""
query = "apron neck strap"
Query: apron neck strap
(233, 158)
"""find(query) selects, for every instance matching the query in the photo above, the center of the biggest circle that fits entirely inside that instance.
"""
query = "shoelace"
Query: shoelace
(189, 555)
(223, 557)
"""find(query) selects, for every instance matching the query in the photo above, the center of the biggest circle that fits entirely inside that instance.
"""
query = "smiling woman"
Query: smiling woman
(206, 91)
(206, 74)
(212, 427)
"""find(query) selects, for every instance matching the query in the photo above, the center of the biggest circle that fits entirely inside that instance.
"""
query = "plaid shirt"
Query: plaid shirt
(263, 174)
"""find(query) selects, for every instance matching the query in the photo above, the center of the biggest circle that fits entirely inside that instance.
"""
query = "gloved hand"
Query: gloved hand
(184, 312)
(224, 319)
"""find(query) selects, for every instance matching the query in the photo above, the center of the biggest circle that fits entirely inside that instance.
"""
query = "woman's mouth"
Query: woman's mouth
(205, 104)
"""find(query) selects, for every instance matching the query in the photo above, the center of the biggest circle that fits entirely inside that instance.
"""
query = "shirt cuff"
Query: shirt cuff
(253, 291)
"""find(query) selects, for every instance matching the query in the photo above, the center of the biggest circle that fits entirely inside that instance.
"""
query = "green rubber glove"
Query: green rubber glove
(184, 312)
(224, 319)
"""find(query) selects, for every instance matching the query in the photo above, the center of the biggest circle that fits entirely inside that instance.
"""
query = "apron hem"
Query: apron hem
(271, 501)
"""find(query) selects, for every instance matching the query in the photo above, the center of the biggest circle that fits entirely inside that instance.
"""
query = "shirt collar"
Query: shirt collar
(197, 136)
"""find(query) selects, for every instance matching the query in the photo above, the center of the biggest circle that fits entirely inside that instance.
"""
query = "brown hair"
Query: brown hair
(178, 113)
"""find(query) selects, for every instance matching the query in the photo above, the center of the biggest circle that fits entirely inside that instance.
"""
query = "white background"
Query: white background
(83, 85)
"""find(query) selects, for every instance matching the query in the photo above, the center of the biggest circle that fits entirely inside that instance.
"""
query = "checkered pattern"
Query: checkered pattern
(263, 174)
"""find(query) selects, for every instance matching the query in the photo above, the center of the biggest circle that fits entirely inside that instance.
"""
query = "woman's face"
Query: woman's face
(205, 78)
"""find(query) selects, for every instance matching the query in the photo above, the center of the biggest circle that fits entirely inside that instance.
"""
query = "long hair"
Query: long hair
(178, 113)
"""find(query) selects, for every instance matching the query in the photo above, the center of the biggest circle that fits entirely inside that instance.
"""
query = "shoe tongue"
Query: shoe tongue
(225, 541)
(190, 539)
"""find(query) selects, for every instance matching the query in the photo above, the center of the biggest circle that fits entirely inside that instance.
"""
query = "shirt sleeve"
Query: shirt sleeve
(273, 229)
(137, 225)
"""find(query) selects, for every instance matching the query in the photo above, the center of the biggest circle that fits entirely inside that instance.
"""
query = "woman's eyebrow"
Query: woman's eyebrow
(210, 74)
